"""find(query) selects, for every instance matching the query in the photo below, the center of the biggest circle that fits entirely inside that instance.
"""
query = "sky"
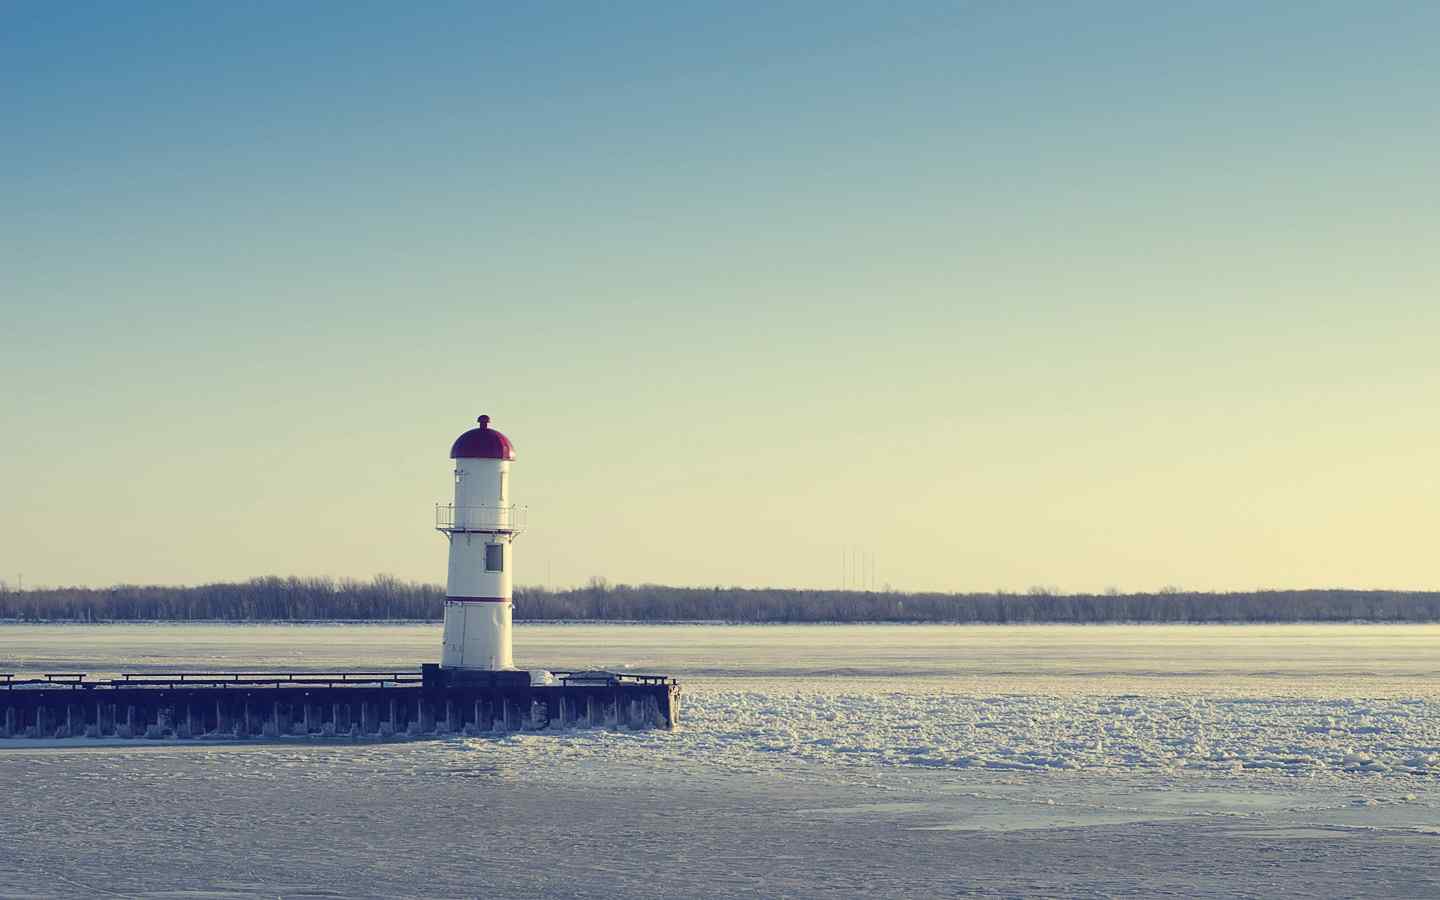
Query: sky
(989, 295)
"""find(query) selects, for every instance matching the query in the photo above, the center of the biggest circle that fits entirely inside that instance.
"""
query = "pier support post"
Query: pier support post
(672, 706)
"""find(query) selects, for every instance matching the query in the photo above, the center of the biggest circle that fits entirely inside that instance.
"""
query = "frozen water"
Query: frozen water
(1296, 699)
(1223, 659)
(813, 761)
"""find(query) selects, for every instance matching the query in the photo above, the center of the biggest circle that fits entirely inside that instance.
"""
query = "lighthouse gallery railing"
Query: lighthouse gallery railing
(450, 518)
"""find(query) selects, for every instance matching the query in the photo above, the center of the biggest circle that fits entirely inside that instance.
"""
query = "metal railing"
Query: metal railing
(450, 518)
(581, 679)
(70, 680)
(221, 680)
(76, 680)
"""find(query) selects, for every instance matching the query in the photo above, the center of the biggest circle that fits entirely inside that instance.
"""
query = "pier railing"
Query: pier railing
(77, 680)
(577, 679)
(221, 680)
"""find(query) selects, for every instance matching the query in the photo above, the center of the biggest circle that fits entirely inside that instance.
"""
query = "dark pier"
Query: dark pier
(360, 705)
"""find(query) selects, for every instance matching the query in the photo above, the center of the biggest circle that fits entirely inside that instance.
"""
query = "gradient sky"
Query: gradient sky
(1077, 295)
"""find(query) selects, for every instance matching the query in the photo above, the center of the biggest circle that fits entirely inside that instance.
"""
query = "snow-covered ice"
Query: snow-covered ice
(1293, 699)
(812, 761)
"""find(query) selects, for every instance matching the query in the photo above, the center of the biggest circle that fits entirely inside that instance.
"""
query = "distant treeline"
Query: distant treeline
(301, 599)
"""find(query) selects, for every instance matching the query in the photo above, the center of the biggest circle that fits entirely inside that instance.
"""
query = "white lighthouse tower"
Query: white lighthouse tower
(481, 526)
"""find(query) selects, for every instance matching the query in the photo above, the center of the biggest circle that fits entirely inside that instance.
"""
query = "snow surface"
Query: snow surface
(812, 761)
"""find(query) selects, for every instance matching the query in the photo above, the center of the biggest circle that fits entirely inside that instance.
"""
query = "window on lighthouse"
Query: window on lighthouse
(494, 557)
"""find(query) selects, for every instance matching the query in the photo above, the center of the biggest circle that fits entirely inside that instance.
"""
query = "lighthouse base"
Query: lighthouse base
(433, 677)
(476, 634)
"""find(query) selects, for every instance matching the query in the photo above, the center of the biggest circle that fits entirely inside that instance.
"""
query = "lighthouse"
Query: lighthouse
(481, 526)
(475, 689)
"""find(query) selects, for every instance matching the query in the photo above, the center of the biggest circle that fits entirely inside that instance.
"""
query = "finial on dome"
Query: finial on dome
(482, 443)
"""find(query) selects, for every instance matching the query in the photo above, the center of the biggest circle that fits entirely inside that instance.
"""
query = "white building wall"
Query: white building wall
(481, 483)
(477, 636)
(478, 601)
(467, 575)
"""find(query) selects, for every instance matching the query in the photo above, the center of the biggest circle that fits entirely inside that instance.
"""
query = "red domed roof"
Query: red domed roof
(482, 443)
